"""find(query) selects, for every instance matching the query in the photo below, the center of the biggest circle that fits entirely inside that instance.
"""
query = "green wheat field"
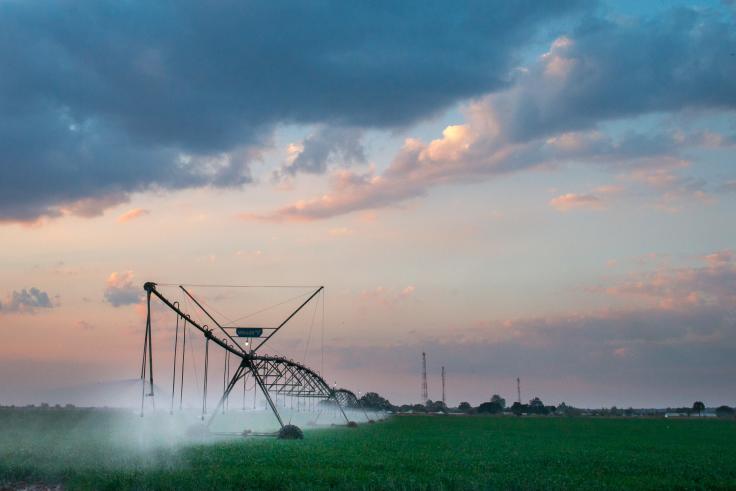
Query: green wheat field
(93, 449)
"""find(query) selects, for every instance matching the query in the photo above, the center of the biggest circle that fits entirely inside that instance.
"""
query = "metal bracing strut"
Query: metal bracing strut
(226, 392)
(258, 380)
(173, 377)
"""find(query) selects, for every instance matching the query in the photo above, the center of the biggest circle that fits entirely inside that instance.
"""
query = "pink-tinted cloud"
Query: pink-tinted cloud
(350, 191)
(465, 153)
(387, 296)
(249, 254)
(720, 258)
(340, 232)
(673, 190)
(569, 201)
(620, 352)
(681, 288)
(132, 215)
(479, 150)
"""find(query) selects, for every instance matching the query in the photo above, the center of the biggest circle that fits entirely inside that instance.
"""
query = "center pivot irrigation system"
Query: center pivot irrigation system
(272, 374)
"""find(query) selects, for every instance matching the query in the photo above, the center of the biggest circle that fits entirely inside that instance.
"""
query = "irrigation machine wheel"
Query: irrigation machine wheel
(291, 432)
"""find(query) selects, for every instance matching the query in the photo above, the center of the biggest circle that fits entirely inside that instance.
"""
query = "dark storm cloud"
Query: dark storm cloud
(102, 98)
(26, 301)
(552, 113)
(680, 59)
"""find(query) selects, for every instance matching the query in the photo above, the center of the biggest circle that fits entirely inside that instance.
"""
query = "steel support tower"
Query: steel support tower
(518, 390)
(425, 392)
(443, 386)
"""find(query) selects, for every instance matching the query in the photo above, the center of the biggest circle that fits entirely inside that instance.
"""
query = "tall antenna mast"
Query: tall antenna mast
(518, 390)
(425, 392)
(443, 385)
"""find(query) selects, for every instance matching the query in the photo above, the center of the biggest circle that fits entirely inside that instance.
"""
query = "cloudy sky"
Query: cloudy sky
(536, 189)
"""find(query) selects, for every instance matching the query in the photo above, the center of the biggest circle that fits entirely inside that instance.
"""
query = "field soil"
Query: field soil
(91, 449)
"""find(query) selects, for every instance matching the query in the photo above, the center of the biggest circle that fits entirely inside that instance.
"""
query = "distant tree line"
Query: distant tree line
(497, 405)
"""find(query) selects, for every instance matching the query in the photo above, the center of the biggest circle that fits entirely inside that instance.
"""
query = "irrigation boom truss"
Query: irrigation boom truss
(272, 374)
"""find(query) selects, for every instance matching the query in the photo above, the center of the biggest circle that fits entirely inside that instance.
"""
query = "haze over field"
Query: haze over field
(535, 189)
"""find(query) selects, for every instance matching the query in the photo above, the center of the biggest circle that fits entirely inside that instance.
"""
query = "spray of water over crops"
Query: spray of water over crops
(36, 442)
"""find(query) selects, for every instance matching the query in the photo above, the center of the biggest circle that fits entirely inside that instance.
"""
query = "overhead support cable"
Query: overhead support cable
(199, 285)
(212, 318)
(248, 316)
(289, 318)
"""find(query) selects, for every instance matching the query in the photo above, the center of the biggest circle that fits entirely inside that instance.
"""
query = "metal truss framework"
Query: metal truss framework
(273, 374)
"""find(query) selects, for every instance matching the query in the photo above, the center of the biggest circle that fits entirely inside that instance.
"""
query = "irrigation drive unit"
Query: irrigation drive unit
(272, 374)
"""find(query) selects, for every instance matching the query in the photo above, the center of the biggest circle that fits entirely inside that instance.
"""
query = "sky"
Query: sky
(542, 190)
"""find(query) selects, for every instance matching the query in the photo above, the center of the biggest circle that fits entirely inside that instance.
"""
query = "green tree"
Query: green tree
(371, 400)
(436, 407)
(724, 412)
(518, 409)
(490, 408)
(536, 406)
(499, 400)
(465, 407)
(699, 407)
